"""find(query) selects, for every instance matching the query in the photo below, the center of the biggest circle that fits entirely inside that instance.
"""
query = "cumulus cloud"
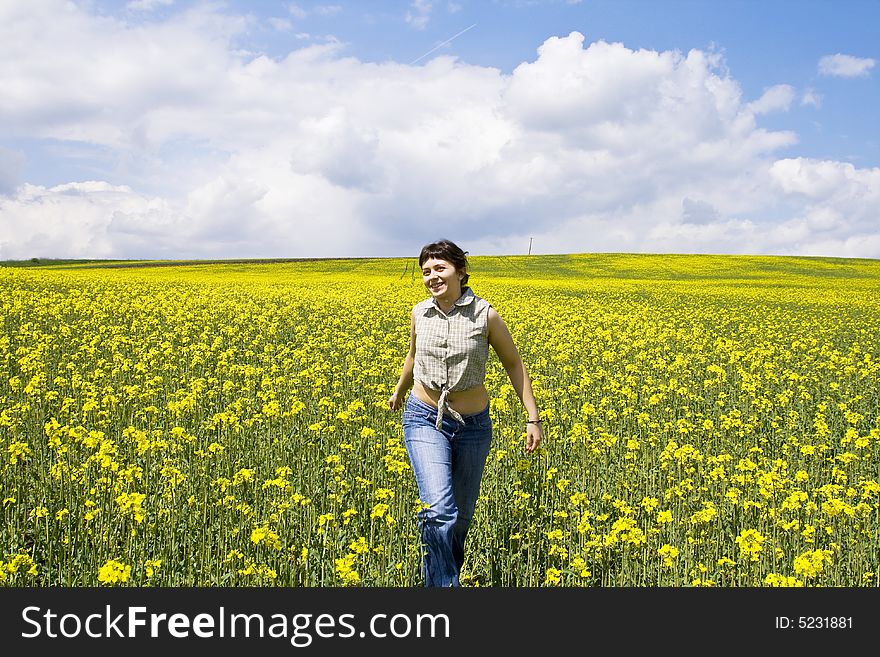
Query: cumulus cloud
(70, 220)
(775, 99)
(839, 206)
(845, 66)
(218, 153)
(698, 212)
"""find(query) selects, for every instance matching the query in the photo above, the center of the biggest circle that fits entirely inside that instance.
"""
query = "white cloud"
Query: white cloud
(845, 66)
(419, 14)
(586, 147)
(296, 11)
(774, 99)
(72, 220)
(838, 203)
(147, 5)
(822, 178)
(281, 24)
(697, 211)
(328, 10)
(811, 97)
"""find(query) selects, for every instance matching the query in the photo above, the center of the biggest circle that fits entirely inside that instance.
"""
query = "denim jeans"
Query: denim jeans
(448, 465)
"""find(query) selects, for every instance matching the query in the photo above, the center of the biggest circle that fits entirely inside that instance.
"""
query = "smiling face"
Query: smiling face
(442, 279)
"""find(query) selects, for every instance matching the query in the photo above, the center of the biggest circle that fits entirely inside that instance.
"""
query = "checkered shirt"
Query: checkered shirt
(451, 349)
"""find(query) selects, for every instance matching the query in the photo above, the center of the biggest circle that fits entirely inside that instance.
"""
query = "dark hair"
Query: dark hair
(448, 251)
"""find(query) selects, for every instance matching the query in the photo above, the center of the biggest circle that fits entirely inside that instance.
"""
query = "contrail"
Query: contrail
(442, 44)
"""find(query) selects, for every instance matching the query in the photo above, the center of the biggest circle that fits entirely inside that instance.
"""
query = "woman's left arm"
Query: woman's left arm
(502, 343)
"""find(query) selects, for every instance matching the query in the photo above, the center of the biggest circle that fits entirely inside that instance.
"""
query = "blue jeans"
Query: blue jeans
(448, 465)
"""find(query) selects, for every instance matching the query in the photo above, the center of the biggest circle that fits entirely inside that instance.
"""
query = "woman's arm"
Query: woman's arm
(502, 343)
(406, 376)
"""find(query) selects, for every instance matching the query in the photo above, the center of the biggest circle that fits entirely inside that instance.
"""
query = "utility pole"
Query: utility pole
(530, 245)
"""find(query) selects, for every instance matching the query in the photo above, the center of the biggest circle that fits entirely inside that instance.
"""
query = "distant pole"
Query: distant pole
(530, 245)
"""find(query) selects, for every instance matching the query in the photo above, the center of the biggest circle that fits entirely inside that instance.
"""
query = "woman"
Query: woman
(446, 423)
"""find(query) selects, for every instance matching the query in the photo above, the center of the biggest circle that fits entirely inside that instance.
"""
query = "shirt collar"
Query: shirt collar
(467, 296)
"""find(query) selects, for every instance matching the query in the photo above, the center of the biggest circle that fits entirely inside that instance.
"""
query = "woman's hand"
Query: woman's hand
(394, 401)
(534, 436)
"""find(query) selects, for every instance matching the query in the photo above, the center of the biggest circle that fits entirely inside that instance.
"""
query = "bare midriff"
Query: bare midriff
(467, 402)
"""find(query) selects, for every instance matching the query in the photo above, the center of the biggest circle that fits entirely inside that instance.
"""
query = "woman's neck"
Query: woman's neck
(447, 301)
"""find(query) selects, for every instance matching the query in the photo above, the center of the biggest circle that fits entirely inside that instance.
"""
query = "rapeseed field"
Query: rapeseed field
(709, 421)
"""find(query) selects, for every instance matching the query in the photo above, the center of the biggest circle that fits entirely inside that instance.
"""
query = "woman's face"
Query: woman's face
(441, 277)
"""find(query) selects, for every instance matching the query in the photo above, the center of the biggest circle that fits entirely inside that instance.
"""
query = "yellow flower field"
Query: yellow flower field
(710, 421)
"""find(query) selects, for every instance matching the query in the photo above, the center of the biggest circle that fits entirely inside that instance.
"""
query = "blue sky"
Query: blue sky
(157, 128)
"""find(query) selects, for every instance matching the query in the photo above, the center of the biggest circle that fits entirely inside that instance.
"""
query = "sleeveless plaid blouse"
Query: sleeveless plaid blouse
(451, 349)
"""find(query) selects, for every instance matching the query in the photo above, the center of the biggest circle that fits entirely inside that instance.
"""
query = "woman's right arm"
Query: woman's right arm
(406, 376)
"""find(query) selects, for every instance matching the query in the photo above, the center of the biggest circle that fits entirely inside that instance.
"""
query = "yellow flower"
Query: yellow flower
(243, 475)
(132, 503)
(579, 565)
(750, 543)
(704, 516)
(552, 577)
(624, 530)
(811, 563)
(668, 553)
(266, 536)
(775, 580)
(702, 583)
(39, 512)
(324, 520)
(19, 562)
(18, 451)
(114, 572)
(345, 570)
